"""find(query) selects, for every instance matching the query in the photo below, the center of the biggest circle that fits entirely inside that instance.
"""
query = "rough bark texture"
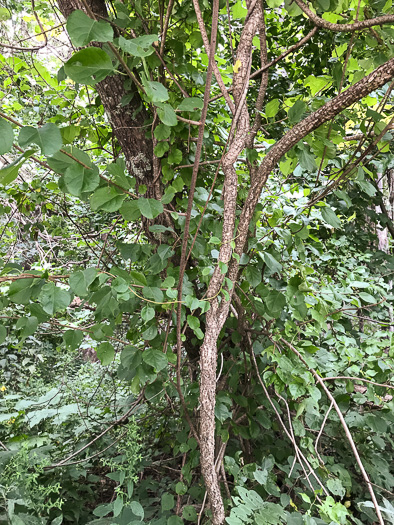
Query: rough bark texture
(127, 121)
(355, 26)
(216, 315)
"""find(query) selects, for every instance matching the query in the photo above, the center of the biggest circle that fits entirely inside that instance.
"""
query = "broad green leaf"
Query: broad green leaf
(150, 333)
(5, 14)
(27, 326)
(106, 353)
(155, 358)
(48, 138)
(368, 298)
(307, 160)
(10, 172)
(6, 136)
(296, 111)
(81, 280)
(316, 84)
(78, 179)
(175, 157)
(130, 210)
(138, 47)
(118, 506)
(138, 278)
(253, 275)
(189, 513)
(162, 132)
(191, 104)
(83, 29)
(156, 91)
(147, 313)
(60, 161)
(106, 199)
(150, 208)
(53, 299)
(193, 322)
(272, 108)
(330, 217)
(73, 338)
(154, 293)
(20, 291)
(89, 66)
(272, 263)
(137, 509)
(161, 148)
(167, 115)
(275, 302)
(167, 502)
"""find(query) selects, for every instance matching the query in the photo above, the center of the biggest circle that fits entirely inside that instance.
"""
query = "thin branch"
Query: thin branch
(355, 26)
(344, 425)
(350, 378)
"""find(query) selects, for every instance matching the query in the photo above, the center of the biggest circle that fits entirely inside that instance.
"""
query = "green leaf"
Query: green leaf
(154, 293)
(180, 488)
(60, 161)
(191, 104)
(130, 210)
(48, 138)
(253, 275)
(189, 513)
(167, 115)
(89, 66)
(161, 148)
(272, 263)
(3, 334)
(53, 299)
(175, 157)
(155, 358)
(138, 278)
(275, 302)
(272, 108)
(10, 172)
(73, 338)
(193, 322)
(106, 353)
(81, 280)
(6, 136)
(167, 502)
(296, 111)
(20, 291)
(118, 506)
(162, 132)
(367, 298)
(156, 91)
(330, 217)
(83, 29)
(106, 199)
(147, 313)
(138, 47)
(137, 509)
(78, 179)
(316, 84)
(150, 208)
(27, 326)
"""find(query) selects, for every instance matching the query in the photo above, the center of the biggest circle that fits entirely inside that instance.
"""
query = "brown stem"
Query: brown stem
(355, 26)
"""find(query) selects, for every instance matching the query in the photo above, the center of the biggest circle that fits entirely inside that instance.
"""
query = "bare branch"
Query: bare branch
(355, 26)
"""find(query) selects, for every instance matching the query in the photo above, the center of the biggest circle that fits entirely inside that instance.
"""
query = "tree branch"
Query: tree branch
(355, 26)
